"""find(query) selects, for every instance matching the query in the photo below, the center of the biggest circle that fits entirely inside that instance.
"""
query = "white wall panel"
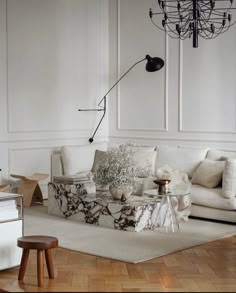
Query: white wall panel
(28, 161)
(208, 82)
(53, 61)
(52, 46)
(140, 92)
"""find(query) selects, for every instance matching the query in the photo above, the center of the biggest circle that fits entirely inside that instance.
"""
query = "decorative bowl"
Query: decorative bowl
(163, 185)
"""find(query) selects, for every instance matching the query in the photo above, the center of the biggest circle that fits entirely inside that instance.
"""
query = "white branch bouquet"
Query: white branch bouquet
(117, 168)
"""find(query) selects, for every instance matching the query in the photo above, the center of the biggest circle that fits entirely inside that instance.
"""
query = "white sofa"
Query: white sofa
(218, 203)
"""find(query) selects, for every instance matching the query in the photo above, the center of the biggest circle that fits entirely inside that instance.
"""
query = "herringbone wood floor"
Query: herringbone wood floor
(209, 267)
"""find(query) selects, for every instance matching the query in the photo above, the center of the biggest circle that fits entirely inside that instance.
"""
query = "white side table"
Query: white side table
(166, 219)
(11, 228)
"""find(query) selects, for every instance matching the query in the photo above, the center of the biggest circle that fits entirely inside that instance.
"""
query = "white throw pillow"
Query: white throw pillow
(184, 159)
(99, 155)
(80, 158)
(229, 179)
(209, 173)
(145, 161)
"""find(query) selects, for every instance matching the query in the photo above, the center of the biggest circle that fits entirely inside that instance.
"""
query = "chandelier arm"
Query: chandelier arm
(205, 27)
(206, 12)
(220, 33)
(171, 30)
(206, 36)
(187, 22)
(226, 9)
(203, 33)
(182, 9)
(156, 25)
(185, 35)
(172, 36)
(232, 23)
(213, 36)
(216, 14)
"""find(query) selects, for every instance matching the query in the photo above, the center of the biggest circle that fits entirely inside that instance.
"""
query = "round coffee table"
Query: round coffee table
(166, 219)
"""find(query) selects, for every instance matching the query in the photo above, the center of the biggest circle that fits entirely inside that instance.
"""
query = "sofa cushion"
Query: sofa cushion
(209, 173)
(211, 197)
(229, 179)
(80, 158)
(220, 155)
(184, 159)
(99, 155)
(145, 161)
(145, 158)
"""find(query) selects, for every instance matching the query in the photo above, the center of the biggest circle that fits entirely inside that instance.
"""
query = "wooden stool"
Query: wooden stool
(40, 243)
(29, 187)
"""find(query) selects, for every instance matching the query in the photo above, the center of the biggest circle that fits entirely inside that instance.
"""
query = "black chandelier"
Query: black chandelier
(183, 19)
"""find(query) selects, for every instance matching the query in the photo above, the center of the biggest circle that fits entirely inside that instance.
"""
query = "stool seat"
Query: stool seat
(37, 242)
(40, 243)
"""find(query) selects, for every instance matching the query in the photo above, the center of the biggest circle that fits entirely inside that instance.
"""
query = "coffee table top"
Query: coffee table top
(133, 200)
(154, 193)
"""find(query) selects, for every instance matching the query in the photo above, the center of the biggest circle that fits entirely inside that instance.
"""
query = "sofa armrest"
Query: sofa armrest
(229, 179)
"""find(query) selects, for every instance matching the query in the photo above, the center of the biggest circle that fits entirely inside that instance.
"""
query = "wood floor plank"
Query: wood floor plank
(206, 268)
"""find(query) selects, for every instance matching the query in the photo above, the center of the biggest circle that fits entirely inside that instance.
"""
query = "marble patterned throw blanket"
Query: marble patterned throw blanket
(179, 184)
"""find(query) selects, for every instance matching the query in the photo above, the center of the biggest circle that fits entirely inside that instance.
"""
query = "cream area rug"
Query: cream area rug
(125, 246)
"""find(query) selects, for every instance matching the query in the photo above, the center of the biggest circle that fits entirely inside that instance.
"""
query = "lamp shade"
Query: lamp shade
(154, 63)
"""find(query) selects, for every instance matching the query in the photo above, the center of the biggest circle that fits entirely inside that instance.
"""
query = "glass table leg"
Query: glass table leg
(166, 220)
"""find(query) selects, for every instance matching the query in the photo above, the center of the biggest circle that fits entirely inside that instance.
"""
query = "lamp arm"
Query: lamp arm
(104, 113)
(121, 79)
(103, 108)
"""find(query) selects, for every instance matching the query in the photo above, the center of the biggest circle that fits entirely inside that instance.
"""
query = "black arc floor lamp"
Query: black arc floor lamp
(153, 64)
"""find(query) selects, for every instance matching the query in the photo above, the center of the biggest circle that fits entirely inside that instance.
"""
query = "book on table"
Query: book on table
(84, 177)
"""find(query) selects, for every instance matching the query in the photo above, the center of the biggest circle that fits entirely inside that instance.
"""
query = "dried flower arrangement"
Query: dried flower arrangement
(117, 168)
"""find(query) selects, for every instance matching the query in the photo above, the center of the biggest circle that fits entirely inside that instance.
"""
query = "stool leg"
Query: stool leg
(40, 267)
(23, 264)
(49, 263)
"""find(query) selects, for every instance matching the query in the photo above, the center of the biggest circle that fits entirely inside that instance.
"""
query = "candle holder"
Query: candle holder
(163, 187)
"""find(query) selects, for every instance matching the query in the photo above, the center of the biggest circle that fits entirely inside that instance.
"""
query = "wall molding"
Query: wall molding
(180, 103)
(166, 49)
(101, 138)
(103, 69)
(171, 139)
